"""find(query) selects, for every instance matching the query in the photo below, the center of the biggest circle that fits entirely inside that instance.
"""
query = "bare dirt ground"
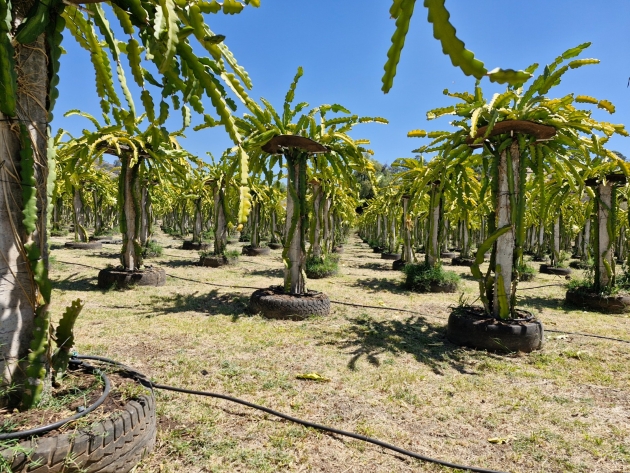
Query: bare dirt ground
(393, 375)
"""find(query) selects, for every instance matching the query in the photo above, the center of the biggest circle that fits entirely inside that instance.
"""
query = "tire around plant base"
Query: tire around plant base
(113, 445)
(390, 256)
(215, 261)
(189, 245)
(467, 328)
(273, 303)
(275, 246)
(617, 304)
(320, 275)
(580, 264)
(84, 245)
(459, 261)
(548, 269)
(109, 277)
(398, 265)
(260, 251)
(448, 254)
(526, 277)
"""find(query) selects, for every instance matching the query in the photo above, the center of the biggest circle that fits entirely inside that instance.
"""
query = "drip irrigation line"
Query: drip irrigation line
(538, 287)
(145, 381)
(56, 425)
(588, 335)
(365, 306)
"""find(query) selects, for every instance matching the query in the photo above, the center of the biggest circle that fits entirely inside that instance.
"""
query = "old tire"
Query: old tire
(81, 245)
(526, 277)
(216, 261)
(273, 303)
(390, 256)
(548, 269)
(113, 445)
(460, 261)
(150, 276)
(260, 251)
(190, 245)
(617, 304)
(398, 265)
(580, 264)
(448, 254)
(472, 328)
(275, 246)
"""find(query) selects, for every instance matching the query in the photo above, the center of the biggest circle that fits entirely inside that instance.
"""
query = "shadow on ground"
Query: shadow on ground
(180, 263)
(540, 303)
(268, 273)
(375, 266)
(75, 282)
(427, 342)
(208, 303)
(382, 284)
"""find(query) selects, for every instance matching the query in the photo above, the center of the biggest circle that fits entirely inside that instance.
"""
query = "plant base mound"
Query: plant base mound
(115, 444)
(526, 277)
(548, 269)
(472, 327)
(216, 261)
(275, 246)
(190, 245)
(150, 276)
(398, 265)
(614, 304)
(251, 251)
(84, 245)
(580, 264)
(273, 303)
(390, 256)
(461, 261)
(338, 249)
(320, 274)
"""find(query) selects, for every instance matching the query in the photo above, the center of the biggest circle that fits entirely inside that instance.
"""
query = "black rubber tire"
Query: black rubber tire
(398, 265)
(471, 330)
(526, 277)
(189, 245)
(390, 256)
(275, 246)
(580, 264)
(260, 251)
(113, 445)
(459, 261)
(618, 304)
(80, 245)
(548, 269)
(273, 303)
(109, 277)
(216, 261)
(448, 254)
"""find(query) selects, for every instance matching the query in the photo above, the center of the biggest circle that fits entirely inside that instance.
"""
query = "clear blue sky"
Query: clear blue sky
(342, 46)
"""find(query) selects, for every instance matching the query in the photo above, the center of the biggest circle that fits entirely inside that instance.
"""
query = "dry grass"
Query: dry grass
(393, 374)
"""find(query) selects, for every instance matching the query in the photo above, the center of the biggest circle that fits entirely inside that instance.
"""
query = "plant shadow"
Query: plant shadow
(269, 273)
(425, 341)
(75, 282)
(210, 303)
(375, 266)
(381, 284)
(540, 303)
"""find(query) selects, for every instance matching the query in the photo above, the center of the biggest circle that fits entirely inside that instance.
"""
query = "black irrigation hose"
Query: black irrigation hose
(367, 306)
(143, 379)
(47, 428)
